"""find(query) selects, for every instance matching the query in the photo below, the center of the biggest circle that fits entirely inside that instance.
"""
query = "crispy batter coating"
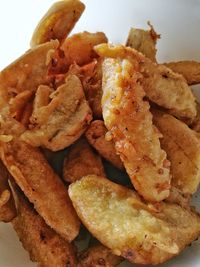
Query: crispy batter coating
(96, 136)
(42, 186)
(7, 205)
(188, 68)
(44, 245)
(98, 256)
(176, 196)
(195, 124)
(183, 150)
(91, 77)
(80, 161)
(129, 121)
(59, 117)
(78, 49)
(144, 41)
(141, 233)
(92, 85)
(58, 22)
(27, 72)
(161, 85)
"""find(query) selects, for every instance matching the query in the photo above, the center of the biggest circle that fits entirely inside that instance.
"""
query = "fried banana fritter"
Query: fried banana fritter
(44, 245)
(80, 161)
(78, 49)
(182, 146)
(161, 85)
(141, 233)
(98, 256)
(129, 121)
(59, 117)
(188, 68)
(58, 22)
(96, 136)
(42, 186)
(27, 72)
(144, 41)
(7, 205)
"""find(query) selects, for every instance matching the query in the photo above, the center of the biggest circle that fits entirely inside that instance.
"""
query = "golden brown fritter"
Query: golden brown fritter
(188, 68)
(144, 41)
(80, 161)
(141, 233)
(42, 186)
(7, 205)
(129, 121)
(98, 256)
(78, 49)
(44, 245)
(27, 72)
(182, 146)
(161, 85)
(58, 22)
(59, 117)
(96, 136)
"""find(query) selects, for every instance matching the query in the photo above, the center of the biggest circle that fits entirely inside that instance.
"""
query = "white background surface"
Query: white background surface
(178, 21)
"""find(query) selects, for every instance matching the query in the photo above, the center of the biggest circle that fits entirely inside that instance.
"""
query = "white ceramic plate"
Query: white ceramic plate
(177, 20)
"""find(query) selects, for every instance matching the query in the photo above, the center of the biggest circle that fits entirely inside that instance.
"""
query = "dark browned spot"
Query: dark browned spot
(83, 256)
(42, 236)
(101, 261)
(160, 171)
(129, 254)
(164, 76)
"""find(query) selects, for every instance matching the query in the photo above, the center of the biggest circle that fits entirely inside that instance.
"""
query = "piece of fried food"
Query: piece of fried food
(188, 68)
(80, 161)
(58, 22)
(78, 49)
(141, 233)
(59, 117)
(161, 85)
(144, 41)
(129, 121)
(183, 150)
(44, 245)
(7, 205)
(27, 72)
(42, 186)
(96, 136)
(92, 85)
(98, 256)
(195, 124)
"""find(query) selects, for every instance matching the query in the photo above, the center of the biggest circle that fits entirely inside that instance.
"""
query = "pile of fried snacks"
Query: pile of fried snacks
(97, 104)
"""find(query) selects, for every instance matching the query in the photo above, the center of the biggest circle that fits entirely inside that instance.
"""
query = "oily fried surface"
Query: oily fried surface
(92, 85)
(42, 186)
(27, 72)
(7, 206)
(58, 22)
(59, 117)
(144, 41)
(161, 85)
(78, 49)
(177, 196)
(127, 117)
(98, 256)
(183, 150)
(96, 136)
(188, 68)
(44, 245)
(144, 234)
(80, 161)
